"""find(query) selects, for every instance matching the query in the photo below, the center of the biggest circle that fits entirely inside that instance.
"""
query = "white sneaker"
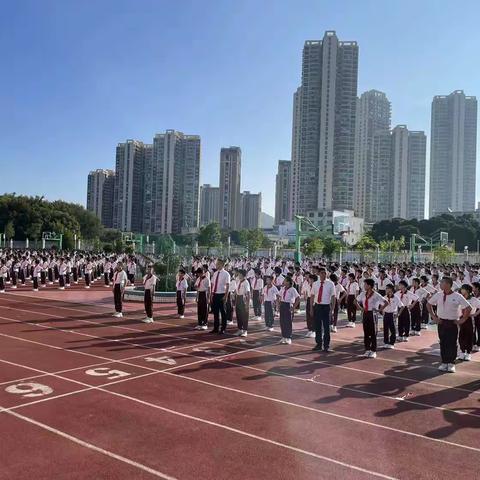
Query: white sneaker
(451, 368)
(107, 286)
(270, 329)
(198, 327)
(35, 289)
(181, 316)
(351, 325)
(308, 334)
(87, 286)
(334, 329)
(244, 333)
(288, 341)
(467, 357)
(461, 356)
(258, 318)
(76, 283)
(204, 327)
(230, 322)
(118, 314)
(61, 288)
(424, 326)
(331, 328)
(283, 340)
(373, 355)
(14, 287)
(405, 339)
(443, 367)
(367, 354)
(475, 348)
(2, 291)
(147, 320)
(239, 333)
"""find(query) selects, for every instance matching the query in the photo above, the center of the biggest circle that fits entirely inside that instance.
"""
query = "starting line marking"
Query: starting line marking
(106, 372)
(210, 351)
(29, 389)
(165, 360)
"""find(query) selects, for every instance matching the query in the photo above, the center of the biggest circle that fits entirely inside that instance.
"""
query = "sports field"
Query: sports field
(84, 395)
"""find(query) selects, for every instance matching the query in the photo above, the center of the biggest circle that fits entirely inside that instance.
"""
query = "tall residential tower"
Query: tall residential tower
(230, 203)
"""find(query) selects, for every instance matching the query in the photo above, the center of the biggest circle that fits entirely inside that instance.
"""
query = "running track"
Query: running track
(87, 396)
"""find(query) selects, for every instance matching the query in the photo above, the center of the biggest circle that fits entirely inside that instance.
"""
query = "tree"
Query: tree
(443, 254)
(330, 246)
(252, 240)
(210, 235)
(392, 245)
(9, 230)
(313, 245)
(366, 243)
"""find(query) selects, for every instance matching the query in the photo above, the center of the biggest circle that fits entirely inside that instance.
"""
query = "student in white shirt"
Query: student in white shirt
(149, 282)
(416, 311)
(119, 283)
(269, 298)
(307, 292)
(202, 286)
(370, 302)
(353, 290)
(257, 287)
(465, 335)
(476, 318)
(450, 307)
(242, 303)
(340, 294)
(408, 300)
(287, 303)
(3, 275)
(220, 285)
(182, 287)
(389, 312)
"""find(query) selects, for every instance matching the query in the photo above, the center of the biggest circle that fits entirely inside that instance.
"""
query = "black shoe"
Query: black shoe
(213, 331)
(316, 347)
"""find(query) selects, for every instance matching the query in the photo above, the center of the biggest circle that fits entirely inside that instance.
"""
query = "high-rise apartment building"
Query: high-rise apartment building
(209, 204)
(100, 188)
(172, 183)
(323, 159)
(129, 182)
(282, 192)
(409, 162)
(373, 120)
(453, 153)
(251, 209)
(229, 184)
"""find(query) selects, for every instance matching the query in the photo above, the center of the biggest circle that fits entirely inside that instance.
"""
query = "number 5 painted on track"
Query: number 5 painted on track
(106, 372)
(29, 389)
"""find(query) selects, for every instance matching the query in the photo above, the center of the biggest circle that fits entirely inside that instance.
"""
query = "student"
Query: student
(465, 335)
(382, 282)
(62, 270)
(288, 301)
(340, 294)
(106, 272)
(389, 312)
(37, 270)
(182, 287)
(202, 286)
(3, 275)
(242, 303)
(149, 282)
(269, 298)
(476, 319)
(220, 284)
(257, 287)
(424, 284)
(132, 271)
(119, 283)
(353, 290)
(416, 310)
(230, 297)
(88, 273)
(307, 293)
(450, 306)
(408, 300)
(322, 301)
(370, 301)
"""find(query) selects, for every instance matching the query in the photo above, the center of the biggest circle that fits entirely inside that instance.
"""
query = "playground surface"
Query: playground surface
(85, 395)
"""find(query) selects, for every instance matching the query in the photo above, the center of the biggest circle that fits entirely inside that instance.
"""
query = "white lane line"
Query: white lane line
(90, 446)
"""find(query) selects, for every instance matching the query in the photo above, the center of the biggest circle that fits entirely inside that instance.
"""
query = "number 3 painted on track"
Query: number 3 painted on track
(29, 389)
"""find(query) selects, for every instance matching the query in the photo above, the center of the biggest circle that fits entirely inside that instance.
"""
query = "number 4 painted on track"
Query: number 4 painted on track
(29, 389)
(166, 360)
(106, 372)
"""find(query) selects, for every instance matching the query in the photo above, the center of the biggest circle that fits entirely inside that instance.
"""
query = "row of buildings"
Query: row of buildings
(155, 188)
(347, 157)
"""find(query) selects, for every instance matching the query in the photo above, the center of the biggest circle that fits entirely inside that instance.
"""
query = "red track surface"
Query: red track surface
(126, 400)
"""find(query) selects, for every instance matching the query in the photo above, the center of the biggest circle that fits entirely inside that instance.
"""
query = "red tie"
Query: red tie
(366, 302)
(216, 282)
(285, 290)
(320, 293)
(255, 284)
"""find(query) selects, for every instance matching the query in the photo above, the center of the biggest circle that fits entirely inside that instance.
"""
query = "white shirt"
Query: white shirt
(202, 284)
(270, 293)
(375, 300)
(257, 284)
(421, 292)
(327, 293)
(243, 287)
(393, 304)
(220, 281)
(288, 295)
(120, 278)
(475, 303)
(182, 285)
(406, 298)
(338, 290)
(149, 283)
(382, 283)
(352, 288)
(449, 306)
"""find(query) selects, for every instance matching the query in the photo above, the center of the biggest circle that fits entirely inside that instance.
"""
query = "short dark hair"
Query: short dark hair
(369, 282)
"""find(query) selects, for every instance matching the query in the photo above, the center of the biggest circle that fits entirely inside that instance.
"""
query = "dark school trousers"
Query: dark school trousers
(117, 297)
(202, 309)
(321, 317)
(148, 303)
(35, 283)
(229, 307)
(309, 316)
(269, 316)
(106, 279)
(286, 319)
(416, 317)
(448, 334)
(404, 323)
(180, 302)
(257, 306)
(477, 331)
(351, 308)
(389, 335)
(369, 321)
(2, 284)
(465, 336)
(424, 312)
(241, 311)
(218, 310)
(334, 316)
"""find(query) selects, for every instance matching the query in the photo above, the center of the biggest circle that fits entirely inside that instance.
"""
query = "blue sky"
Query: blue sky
(78, 77)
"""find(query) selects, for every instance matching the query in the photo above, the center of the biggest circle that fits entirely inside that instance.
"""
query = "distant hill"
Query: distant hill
(266, 220)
